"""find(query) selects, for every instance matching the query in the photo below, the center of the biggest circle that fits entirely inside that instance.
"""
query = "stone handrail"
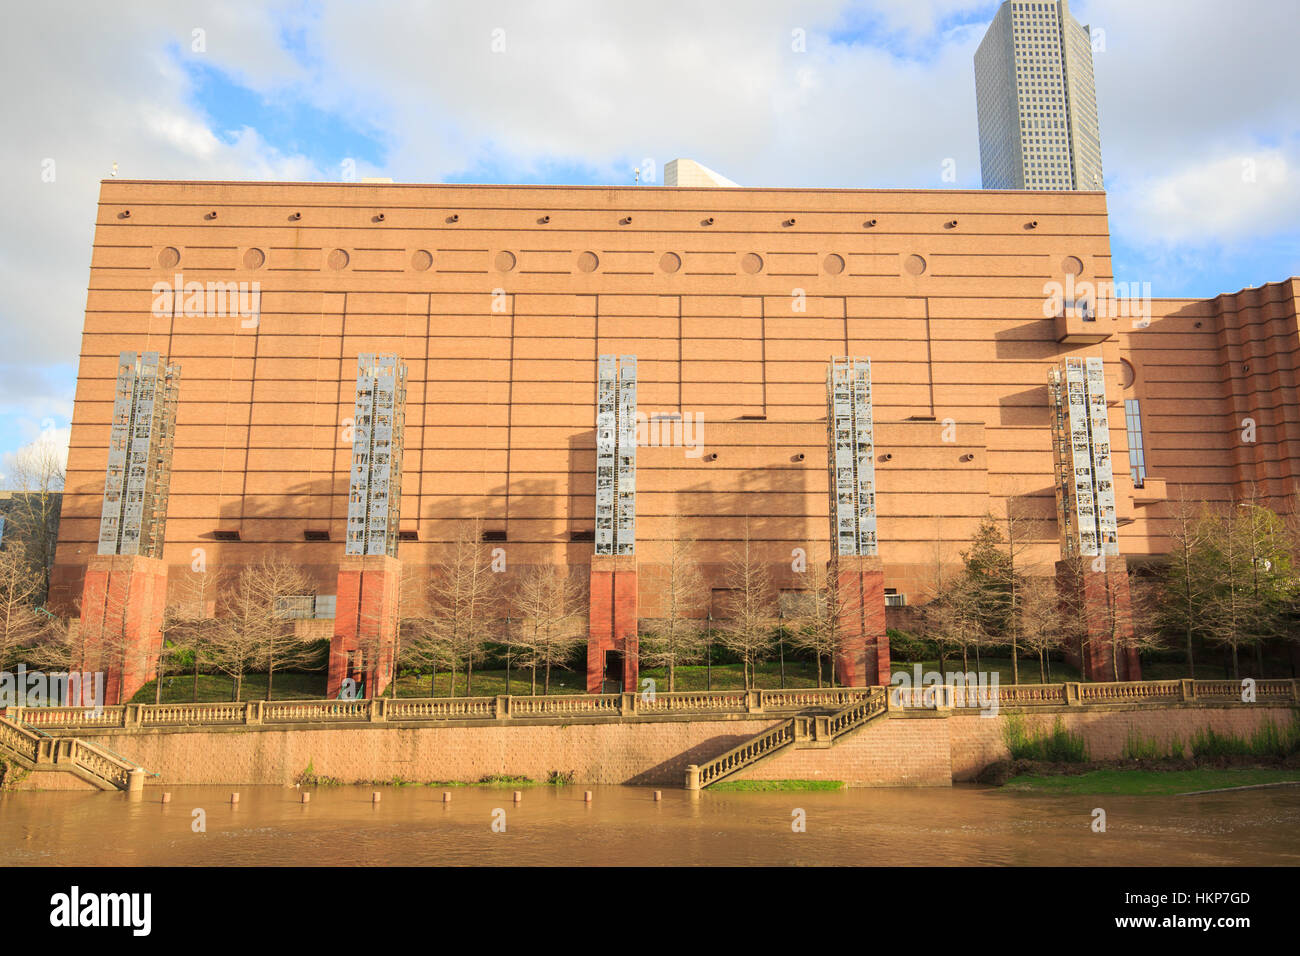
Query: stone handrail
(577, 705)
(212, 713)
(1130, 691)
(857, 713)
(19, 740)
(752, 750)
(806, 697)
(70, 717)
(38, 750)
(310, 711)
(695, 702)
(970, 696)
(718, 702)
(441, 708)
(1280, 690)
(100, 762)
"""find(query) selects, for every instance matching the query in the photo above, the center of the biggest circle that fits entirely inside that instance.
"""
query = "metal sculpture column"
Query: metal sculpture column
(125, 590)
(862, 656)
(612, 647)
(1091, 575)
(364, 646)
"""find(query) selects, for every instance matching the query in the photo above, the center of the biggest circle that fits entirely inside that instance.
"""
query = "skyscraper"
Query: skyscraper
(1037, 100)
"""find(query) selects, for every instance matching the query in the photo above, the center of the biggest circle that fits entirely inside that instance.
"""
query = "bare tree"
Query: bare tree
(1186, 584)
(549, 603)
(1042, 621)
(464, 601)
(254, 623)
(747, 630)
(817, 619)
(37, 477)
(191, 603)
(1023, 527)
(676, 637)
(20, 590)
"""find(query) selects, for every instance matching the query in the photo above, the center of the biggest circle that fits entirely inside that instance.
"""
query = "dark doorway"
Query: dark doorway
(613, 681)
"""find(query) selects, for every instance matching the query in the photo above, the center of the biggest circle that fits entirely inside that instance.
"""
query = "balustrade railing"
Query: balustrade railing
(19, 740)
(230, 712)
(718, 702)
(308, 711)
(695, 702)
(439, 708)
(38, 748)
(589, 705)
(752, 750)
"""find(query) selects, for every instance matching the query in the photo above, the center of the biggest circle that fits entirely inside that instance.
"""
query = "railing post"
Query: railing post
(15, 714)
(821, 727)
(501, 709)
(377, 711)
(800, 729)
(1188, 689)
(255, 712)
(1072, 693)
(754, 701)
(131, 715)
(692, 777)
(627, 705)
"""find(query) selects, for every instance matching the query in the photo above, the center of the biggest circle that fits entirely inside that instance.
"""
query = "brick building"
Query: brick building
(500, 299)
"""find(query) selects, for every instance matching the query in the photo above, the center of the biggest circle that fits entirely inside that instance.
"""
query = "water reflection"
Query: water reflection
(626, 826)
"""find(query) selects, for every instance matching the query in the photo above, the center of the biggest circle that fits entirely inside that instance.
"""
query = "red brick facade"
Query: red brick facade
(122, 605)
(365, 623)
(863, 654)
(612, 625)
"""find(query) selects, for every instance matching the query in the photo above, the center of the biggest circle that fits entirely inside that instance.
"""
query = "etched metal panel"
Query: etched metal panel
(134, 511)
(616, 455)
(851, 456)
(375, 481)
(606, 446)
(1085, 489)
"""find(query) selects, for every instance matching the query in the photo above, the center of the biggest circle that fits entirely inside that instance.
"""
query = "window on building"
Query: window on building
(1137, 461)
(306, 606)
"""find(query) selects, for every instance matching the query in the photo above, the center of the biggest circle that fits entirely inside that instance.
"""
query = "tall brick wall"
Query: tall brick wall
(122, 606)
(365, 623)
(612, 623)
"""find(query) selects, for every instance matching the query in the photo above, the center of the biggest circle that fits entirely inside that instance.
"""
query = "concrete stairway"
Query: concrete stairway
(805, 731)
(40, 753)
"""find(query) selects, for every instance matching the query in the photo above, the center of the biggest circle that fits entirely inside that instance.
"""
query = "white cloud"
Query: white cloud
(1187, 88)
(1212, 200)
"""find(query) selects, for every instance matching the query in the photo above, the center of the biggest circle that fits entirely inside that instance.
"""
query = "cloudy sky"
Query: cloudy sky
(1200, 129)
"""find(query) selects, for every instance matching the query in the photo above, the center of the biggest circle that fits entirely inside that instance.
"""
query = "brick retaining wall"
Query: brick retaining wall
(905, 748)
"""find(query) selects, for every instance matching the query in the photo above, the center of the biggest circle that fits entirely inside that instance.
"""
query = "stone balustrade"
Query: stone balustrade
(39, 751)
(970, 696)
(751, 751)
(647, 706)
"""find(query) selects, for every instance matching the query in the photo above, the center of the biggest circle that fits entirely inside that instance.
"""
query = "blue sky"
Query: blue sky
(822, 93)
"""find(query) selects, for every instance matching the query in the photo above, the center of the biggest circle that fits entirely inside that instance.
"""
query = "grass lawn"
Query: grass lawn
(750, 786)
(216, 688)
(1061, 672)
(1147, 781)
(179, 688)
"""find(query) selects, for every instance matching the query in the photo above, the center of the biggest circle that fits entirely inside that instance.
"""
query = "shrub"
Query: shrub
(1057, 745)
